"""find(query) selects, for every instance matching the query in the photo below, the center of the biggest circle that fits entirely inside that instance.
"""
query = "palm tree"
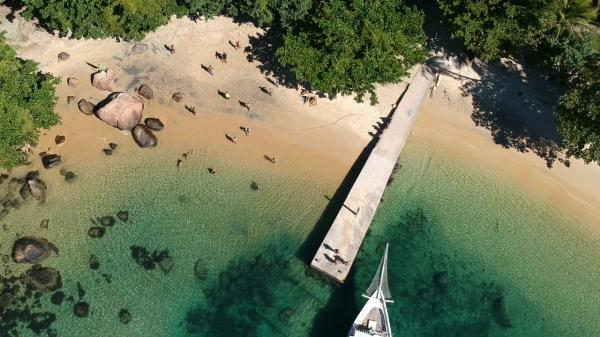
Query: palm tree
(575, 16)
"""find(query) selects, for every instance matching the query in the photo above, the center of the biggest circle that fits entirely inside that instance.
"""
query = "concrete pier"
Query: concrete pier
(354, 218)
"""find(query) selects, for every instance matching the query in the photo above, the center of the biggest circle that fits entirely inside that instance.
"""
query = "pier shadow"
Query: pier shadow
(335, 319)
(310, 246)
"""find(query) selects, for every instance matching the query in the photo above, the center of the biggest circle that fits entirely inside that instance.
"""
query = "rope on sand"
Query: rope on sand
(330, 124)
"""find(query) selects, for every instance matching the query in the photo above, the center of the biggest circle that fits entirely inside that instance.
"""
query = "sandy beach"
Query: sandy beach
(319, 140)
(446, 120)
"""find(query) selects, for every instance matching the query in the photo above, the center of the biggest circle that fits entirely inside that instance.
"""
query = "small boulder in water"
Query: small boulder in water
(112, 146)
(50, 160)
(43, 279)
(37, 188)
(81, 309)
(154, 124)
(30, 249)
(71, 99)
(86, 107)
(145, 91)
(144, 137)
(107, 152)
(70, 176)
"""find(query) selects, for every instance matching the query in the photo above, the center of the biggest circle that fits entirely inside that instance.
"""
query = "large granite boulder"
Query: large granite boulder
(37, 188)
(29, 249)
(120, 110)
(103, 79)
(143, 136)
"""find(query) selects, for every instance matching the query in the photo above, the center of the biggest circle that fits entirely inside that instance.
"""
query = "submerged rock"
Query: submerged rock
(70, 176)
(112, 146)
(107, 152)
(120, 110)
(154, 124)
(86, 107)
(144, 137)
(94, 262)
(81, 309)
(166, 264)
(71, 99)
(200, 270)
(96, 232)
(43, 279)
(123, 216)
(124, 316)
(50, 160)
(37, 188)
(499, 312)
(145, 91)
(57, 298)
(33, 250)
(107, 221)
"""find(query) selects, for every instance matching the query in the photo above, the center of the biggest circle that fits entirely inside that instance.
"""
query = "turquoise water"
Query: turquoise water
(471, 255)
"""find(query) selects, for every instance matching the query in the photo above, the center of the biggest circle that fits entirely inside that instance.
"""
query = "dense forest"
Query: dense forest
(27, 103)
(347, 46)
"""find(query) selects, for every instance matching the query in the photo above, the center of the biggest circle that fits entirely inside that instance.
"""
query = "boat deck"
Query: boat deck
(338, 250)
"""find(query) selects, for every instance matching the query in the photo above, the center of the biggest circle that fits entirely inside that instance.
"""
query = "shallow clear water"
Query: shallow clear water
(470, 254)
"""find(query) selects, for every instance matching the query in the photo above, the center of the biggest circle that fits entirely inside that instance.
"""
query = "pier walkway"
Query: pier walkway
(336, 254)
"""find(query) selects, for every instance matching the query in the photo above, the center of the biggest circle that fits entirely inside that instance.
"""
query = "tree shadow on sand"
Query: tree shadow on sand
(262, 50)
(516, 105)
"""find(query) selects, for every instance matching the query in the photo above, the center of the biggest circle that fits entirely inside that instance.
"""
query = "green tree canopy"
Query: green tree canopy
(493, 28)
(129, 19)
(27, 103)
(351, 45)
(578, 113)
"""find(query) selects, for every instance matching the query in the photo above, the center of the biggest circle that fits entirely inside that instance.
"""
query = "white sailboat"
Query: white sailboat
(373, 319)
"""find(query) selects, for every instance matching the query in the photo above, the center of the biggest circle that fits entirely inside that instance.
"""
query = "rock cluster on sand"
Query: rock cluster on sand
(50, 160)
(143, 136)
(33, 250)
(120, 110)
(139, 48)
(154, 124)
(103, 79)
(85, 106)
(63, 56)
(73, 82)
(145, 91)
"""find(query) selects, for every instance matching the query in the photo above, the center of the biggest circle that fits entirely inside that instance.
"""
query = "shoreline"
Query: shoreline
(446, 122)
